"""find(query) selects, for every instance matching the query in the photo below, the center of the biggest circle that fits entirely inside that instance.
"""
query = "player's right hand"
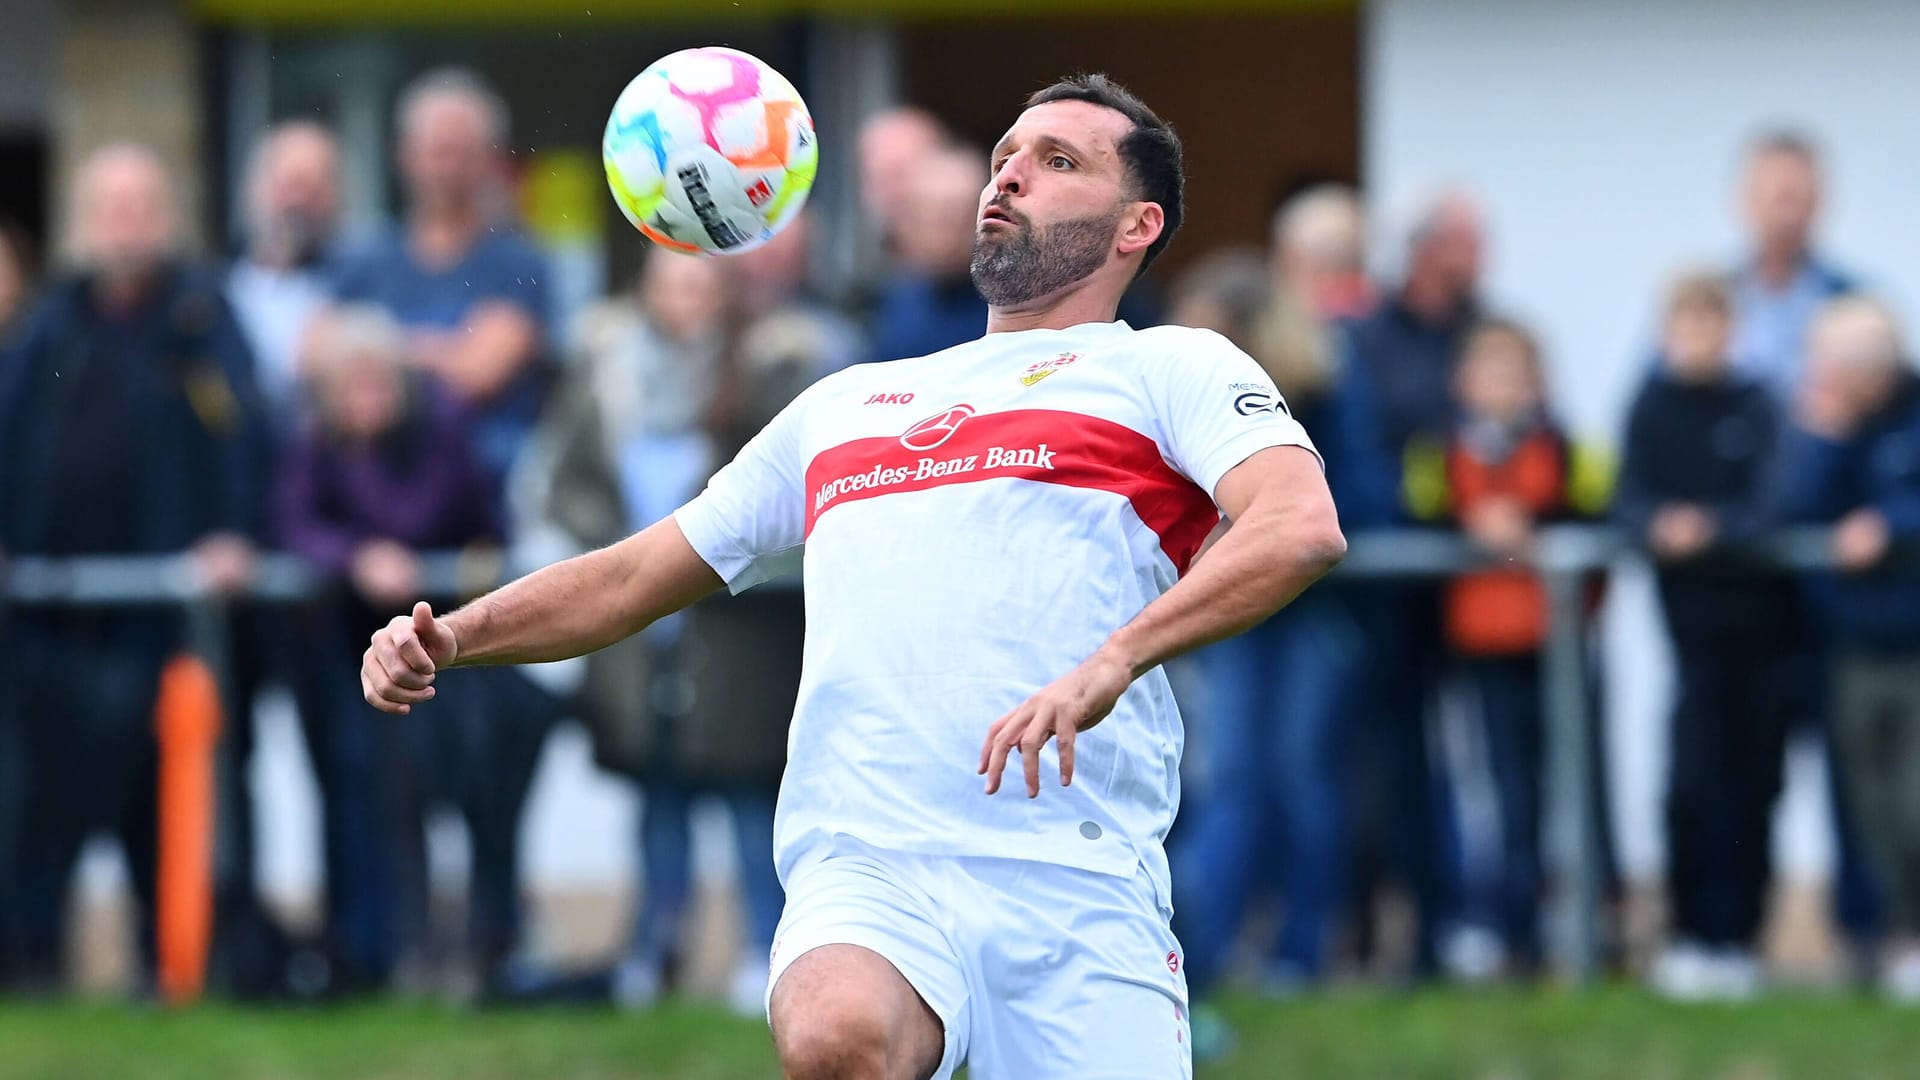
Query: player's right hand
(397, 672)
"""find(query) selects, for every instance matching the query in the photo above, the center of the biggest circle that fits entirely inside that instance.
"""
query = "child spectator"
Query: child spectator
(1508, 468)
(1699, 452)
(1855, 462)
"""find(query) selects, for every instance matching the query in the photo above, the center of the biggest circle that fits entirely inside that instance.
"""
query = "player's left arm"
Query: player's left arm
(1282, 536)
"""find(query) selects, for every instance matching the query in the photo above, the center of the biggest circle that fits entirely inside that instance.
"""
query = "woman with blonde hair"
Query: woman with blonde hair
(1268, 804)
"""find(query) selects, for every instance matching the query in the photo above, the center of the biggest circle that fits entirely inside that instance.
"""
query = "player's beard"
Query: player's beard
(1031, 262)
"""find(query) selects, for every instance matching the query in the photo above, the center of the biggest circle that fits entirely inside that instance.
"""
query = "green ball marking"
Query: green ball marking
(638, 206)
(801, 170)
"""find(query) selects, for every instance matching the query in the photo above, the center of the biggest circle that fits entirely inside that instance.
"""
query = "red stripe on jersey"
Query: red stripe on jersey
(1050, 446)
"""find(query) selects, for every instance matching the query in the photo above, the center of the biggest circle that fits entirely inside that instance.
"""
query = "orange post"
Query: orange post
(187, 722)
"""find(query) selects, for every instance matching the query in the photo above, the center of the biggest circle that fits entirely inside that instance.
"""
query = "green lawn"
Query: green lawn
(1494, 1036)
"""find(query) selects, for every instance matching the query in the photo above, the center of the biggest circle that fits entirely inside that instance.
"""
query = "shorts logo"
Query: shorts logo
(890, 399)
(935, 429)
(1173, 962)
(1047, 367)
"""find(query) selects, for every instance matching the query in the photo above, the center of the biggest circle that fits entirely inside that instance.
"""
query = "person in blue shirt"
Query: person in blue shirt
(929, 303)
(467, 290)
(457, 274)
(1778, 289)
(1783, 282)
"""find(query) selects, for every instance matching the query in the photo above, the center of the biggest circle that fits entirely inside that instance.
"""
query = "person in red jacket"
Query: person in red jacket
(1508, 468)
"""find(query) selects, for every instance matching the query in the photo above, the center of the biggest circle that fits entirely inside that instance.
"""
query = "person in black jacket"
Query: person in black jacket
(129, 424)
(1699, 451)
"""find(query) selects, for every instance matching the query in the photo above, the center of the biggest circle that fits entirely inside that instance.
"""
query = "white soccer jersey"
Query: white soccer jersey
(975, 523)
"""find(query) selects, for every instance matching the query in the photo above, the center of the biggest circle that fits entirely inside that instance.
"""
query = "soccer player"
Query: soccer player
(1000, 552)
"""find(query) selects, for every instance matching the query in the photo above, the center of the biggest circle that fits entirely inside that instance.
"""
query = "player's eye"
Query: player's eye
(1059, 161)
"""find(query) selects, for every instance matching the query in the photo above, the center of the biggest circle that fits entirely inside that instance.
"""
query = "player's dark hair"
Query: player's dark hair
(1151, 150)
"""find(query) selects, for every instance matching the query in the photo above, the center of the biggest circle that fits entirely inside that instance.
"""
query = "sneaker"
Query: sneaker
(639, 982)
(1473, 954)
(747, 992)
(1213, 1038)
(1737, 975)
(1682, 972)
(1900, 979)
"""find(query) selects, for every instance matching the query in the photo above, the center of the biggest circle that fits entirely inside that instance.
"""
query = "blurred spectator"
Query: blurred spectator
(1268, 805)
(457, 276)
(1783, 282)
(1320, 247)
(277, 286)
(1700, 453)
(1404, 353)
(893, 145)
(1777, 292)
(929, 303)
(467, 290)
(777, 297)
(659, 399)
(1853, 462)
(16, 278)
(283, 278)
(129, 423)
(1272, 737)
(1509, 469)
(1406, 348)
(385, 473)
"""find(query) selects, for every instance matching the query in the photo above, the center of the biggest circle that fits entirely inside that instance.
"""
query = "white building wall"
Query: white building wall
(1605, 139)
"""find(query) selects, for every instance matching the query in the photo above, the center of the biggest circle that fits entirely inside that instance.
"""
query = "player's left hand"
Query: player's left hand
(1066, 707)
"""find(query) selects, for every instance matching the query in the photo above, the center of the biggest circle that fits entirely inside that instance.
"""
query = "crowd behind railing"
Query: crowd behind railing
(358, 405)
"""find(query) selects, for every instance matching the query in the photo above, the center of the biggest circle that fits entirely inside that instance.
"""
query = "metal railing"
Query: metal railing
(1566, 559)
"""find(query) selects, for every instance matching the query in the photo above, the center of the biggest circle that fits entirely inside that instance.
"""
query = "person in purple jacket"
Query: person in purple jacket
(385, 473)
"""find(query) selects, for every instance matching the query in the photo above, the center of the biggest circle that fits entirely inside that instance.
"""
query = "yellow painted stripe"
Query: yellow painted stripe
(445, 13)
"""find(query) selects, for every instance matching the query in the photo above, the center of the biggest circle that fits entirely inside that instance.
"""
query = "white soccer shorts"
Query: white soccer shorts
(1037, 971)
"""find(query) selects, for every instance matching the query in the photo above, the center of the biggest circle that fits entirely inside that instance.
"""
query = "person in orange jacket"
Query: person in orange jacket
(1508, 468)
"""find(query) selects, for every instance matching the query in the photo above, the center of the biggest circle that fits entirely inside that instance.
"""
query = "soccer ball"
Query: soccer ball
(710, 151)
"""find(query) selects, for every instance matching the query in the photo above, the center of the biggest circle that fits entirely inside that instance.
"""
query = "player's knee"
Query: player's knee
(829, 1040)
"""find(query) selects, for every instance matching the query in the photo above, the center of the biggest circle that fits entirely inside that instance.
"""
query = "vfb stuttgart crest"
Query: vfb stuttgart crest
(1047, 367)
(935, 429)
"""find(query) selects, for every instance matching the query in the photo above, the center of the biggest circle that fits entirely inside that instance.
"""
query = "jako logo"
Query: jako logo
(890, 399)
(935, 429)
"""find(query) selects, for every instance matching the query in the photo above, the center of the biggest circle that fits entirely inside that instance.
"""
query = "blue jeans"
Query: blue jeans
(666, 853)
(1507, 899)
(475, 748)
(1271, 804)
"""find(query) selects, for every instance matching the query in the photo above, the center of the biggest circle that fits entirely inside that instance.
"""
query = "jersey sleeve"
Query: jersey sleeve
(750, 522)
(1217, 408)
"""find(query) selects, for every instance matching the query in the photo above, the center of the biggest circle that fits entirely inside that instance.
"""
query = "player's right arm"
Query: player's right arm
(568, 609)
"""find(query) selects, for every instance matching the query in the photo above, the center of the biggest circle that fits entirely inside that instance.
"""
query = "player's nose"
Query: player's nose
(1011, 174)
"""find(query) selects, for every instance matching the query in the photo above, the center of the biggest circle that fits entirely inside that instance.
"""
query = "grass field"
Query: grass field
(1493, 1036)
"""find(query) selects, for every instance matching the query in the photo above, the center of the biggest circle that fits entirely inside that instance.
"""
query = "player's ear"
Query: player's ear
(1140, 226)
